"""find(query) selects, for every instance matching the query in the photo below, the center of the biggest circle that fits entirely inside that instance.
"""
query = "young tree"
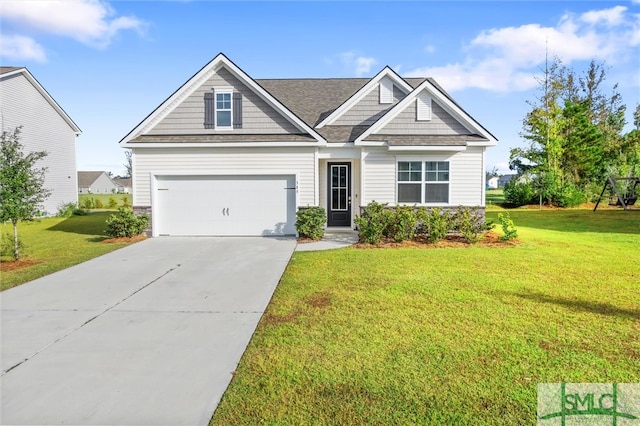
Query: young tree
(21, 183)
(128, 163)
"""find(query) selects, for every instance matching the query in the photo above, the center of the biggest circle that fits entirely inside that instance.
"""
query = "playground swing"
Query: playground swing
(617, 199)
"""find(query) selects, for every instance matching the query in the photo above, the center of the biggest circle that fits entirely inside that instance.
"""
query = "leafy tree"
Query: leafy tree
(575, 134)
(128, 166)
(21, 183)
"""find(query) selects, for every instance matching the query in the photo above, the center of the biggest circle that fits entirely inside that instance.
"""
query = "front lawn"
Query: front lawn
(448, 335)
(52, 244)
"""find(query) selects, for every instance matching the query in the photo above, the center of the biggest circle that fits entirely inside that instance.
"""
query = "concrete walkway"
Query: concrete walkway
(331, 240)
(146, 335)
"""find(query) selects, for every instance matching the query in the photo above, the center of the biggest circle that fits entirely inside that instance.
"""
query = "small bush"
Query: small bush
(508, 227)
(519, 193)
(87, 203)
(310, 222)
(6, 245)
(112, 203)
(569, 196)
(435, 223)
(373, 223)
(99, 204)
(402, 223)
(125, 224)
(66, 209)
(469, 222)
(125, 201)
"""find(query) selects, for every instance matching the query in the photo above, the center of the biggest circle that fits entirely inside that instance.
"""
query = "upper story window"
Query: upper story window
(423, 182)
(222, 109)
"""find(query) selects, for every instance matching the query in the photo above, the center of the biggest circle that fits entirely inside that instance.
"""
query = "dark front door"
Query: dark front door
(339, 194)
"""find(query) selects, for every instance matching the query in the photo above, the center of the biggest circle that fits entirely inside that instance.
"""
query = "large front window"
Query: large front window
(423, 182)
(223, 110)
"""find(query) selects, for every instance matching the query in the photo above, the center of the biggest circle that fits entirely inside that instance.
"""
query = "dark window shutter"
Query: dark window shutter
(209, 110)
(237, 110)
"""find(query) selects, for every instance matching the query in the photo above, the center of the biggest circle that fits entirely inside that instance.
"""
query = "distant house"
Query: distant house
(505, 179)
(492, 182)
(96, 183)
(45, 127)
(124, 184)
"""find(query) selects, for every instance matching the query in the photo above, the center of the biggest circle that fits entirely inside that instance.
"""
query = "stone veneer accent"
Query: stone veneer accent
(138, 210)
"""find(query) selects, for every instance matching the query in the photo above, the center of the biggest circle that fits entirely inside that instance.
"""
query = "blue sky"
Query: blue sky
(109, 64)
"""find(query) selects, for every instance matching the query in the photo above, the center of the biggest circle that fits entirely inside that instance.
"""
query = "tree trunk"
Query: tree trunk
(16, 244)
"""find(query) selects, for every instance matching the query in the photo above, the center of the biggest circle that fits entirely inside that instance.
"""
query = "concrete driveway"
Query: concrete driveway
(146, 335)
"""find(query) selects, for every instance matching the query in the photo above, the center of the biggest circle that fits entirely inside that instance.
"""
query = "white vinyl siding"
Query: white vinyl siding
(386, 91)
(379, 177)
(43, 129)
(423, 106)
(465, 175)
(224, 161)
(368, 110)
(257, 115)
(406, 123)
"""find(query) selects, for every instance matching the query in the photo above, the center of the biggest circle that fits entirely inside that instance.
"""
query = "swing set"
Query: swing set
(615, 197)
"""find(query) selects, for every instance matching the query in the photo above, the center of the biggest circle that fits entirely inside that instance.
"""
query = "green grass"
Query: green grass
(56, 243)
(449, 335)
(104, 198)
(494, 196)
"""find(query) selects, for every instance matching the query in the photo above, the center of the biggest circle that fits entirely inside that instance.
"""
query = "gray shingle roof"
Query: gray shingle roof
(86, 179)
(5, 70)
(222, 138)
(425, 140)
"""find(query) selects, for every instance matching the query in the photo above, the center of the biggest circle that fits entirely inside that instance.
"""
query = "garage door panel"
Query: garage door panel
(225, 205)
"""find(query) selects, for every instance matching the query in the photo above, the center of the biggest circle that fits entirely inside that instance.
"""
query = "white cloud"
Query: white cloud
(360, 65)
(506, 59)
(91, 22)
(18, 48)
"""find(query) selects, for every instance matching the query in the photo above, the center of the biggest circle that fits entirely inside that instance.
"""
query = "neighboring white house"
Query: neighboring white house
(124, 184)
(45, 127)
(492, 182)
(96, 183)
(229, 155)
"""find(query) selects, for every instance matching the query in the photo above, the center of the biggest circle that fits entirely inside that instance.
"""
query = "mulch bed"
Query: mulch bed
(125, 239)
(491, 239)
(14, 265)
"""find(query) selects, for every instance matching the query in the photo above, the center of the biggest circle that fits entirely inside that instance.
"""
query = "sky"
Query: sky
(110, 63)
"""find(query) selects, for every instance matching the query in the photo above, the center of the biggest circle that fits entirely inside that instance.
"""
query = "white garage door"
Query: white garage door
(225, 205)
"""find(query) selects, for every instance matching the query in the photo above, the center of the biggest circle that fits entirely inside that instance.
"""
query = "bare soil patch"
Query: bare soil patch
(14, 265)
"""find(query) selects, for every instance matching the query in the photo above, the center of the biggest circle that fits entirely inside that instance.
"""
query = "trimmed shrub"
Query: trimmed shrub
(402, 223)
(519, 193)
(99, 204)
(508, 227)
(435, 223)
(470, 223)
(310, 222)
(125, 224)
(373, 223)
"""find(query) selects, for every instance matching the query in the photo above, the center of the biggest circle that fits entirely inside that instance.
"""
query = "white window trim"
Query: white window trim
(220, 91)
(423, 181)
